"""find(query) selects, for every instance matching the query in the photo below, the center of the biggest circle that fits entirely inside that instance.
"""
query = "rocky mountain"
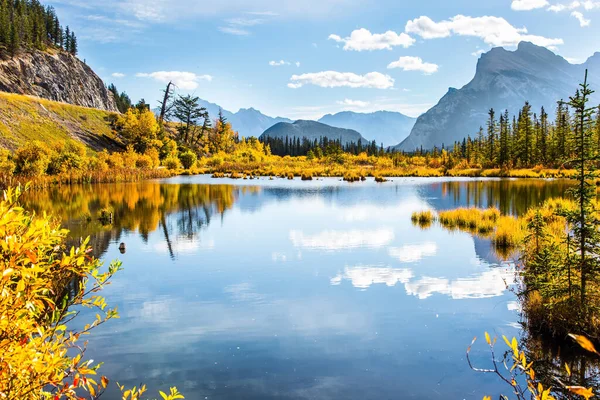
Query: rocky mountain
(313, 130)
(385, 127)
(57, 76)
(247, 121)
(503, 80)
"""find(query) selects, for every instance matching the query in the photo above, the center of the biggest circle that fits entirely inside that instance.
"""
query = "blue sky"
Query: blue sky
(307, 58)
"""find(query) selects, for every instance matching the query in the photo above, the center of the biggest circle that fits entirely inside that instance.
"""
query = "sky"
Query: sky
(302, 59)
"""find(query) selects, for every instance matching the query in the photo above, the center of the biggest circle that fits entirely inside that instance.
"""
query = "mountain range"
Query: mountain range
(385, 127)
(313, 130)
(504, 80)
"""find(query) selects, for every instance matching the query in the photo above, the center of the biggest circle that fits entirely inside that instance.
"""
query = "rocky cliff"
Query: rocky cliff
(503, 80)
(57, 76)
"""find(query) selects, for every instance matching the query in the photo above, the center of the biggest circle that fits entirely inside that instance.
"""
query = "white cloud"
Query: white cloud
(526, 5)
(117, 75)
(336, 240)
(239, 26)
(588, 5)
(494, 31)
(364, 276)
(353, 103)
(478, 53)
(331, 79)
(362, 39)
(591, 5)
(490, 283)
(278, 63)
(234, 31)
(413, 252)
(183, 80)
(298, 64)
(408, 63)
(242, 21)
(582, 21)
(168, 11)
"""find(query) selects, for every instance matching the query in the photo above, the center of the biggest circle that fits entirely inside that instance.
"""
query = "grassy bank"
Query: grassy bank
(356, 167)
(27, 118)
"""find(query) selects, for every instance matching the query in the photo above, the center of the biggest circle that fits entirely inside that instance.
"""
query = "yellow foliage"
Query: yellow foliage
(41, 283)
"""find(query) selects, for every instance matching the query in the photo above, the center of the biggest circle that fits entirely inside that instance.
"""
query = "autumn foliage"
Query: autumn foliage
(43, 287)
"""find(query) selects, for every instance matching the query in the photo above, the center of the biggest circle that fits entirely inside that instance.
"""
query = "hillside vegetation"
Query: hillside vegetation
(26, 118)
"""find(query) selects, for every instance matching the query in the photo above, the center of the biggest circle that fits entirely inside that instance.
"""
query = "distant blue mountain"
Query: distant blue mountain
(313, 130)
(385, 127)
(247, 121)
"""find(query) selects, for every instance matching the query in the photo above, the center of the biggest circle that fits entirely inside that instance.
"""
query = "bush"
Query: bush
(172, 163)
(42, 283)
(188, 159)
(32, 159)
(144, 162)
(7, 165)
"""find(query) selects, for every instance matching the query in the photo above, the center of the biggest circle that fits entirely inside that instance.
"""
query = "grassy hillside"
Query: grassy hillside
(26, 118)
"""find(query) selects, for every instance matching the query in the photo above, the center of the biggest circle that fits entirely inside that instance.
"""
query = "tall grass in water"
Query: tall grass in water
(423, 219)
(471, 219)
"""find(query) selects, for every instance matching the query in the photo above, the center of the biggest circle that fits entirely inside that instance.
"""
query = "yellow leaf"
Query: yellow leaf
(568, 369)
(581, 391)
(584, 343)
(487, 339)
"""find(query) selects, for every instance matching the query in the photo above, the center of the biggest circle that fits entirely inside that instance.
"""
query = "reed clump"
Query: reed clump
(471, 219)
(351, 176)
(424, 219)
(307, 176)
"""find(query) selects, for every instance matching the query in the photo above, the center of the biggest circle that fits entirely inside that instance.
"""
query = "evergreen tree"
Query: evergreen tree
(73, 41)
(67, 38)
(188, 111)
(491, 137)
(583, 221)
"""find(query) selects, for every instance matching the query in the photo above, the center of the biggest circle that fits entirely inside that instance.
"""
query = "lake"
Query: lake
(264, 289)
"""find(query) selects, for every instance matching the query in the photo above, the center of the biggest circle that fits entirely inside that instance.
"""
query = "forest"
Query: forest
(27, 25)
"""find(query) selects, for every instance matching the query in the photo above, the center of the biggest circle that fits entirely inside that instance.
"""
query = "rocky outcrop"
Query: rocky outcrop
(504, 80)
(57, 76)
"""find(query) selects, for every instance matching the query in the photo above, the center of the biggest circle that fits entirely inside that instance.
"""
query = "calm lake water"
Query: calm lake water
(283, 289)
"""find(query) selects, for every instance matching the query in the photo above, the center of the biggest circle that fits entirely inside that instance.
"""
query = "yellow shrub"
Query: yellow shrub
(42, 281)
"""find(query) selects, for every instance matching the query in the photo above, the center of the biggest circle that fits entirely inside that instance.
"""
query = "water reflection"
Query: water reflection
(289, 289)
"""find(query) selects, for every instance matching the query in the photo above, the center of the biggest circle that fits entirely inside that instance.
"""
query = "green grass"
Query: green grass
(27, 118)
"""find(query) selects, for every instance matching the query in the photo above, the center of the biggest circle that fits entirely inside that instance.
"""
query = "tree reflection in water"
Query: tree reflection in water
(138, 207)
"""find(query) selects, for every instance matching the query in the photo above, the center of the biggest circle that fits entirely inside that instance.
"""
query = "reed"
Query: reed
(423, 219)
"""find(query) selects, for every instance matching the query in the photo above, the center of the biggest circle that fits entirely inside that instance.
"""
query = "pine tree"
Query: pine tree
(584, 223)
(542, 144)
(67, 44)
(73, 44)
(491, 137)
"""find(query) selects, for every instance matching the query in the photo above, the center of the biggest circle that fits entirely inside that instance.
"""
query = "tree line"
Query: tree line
(27, 24)
(524, 140)
(296, 146)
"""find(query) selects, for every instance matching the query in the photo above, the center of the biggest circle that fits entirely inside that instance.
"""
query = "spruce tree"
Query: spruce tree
(583, 221)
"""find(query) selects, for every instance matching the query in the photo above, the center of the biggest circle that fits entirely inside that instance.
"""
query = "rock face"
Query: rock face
(313, 130)
(385, 127)
(58, 76)
(503, 80)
